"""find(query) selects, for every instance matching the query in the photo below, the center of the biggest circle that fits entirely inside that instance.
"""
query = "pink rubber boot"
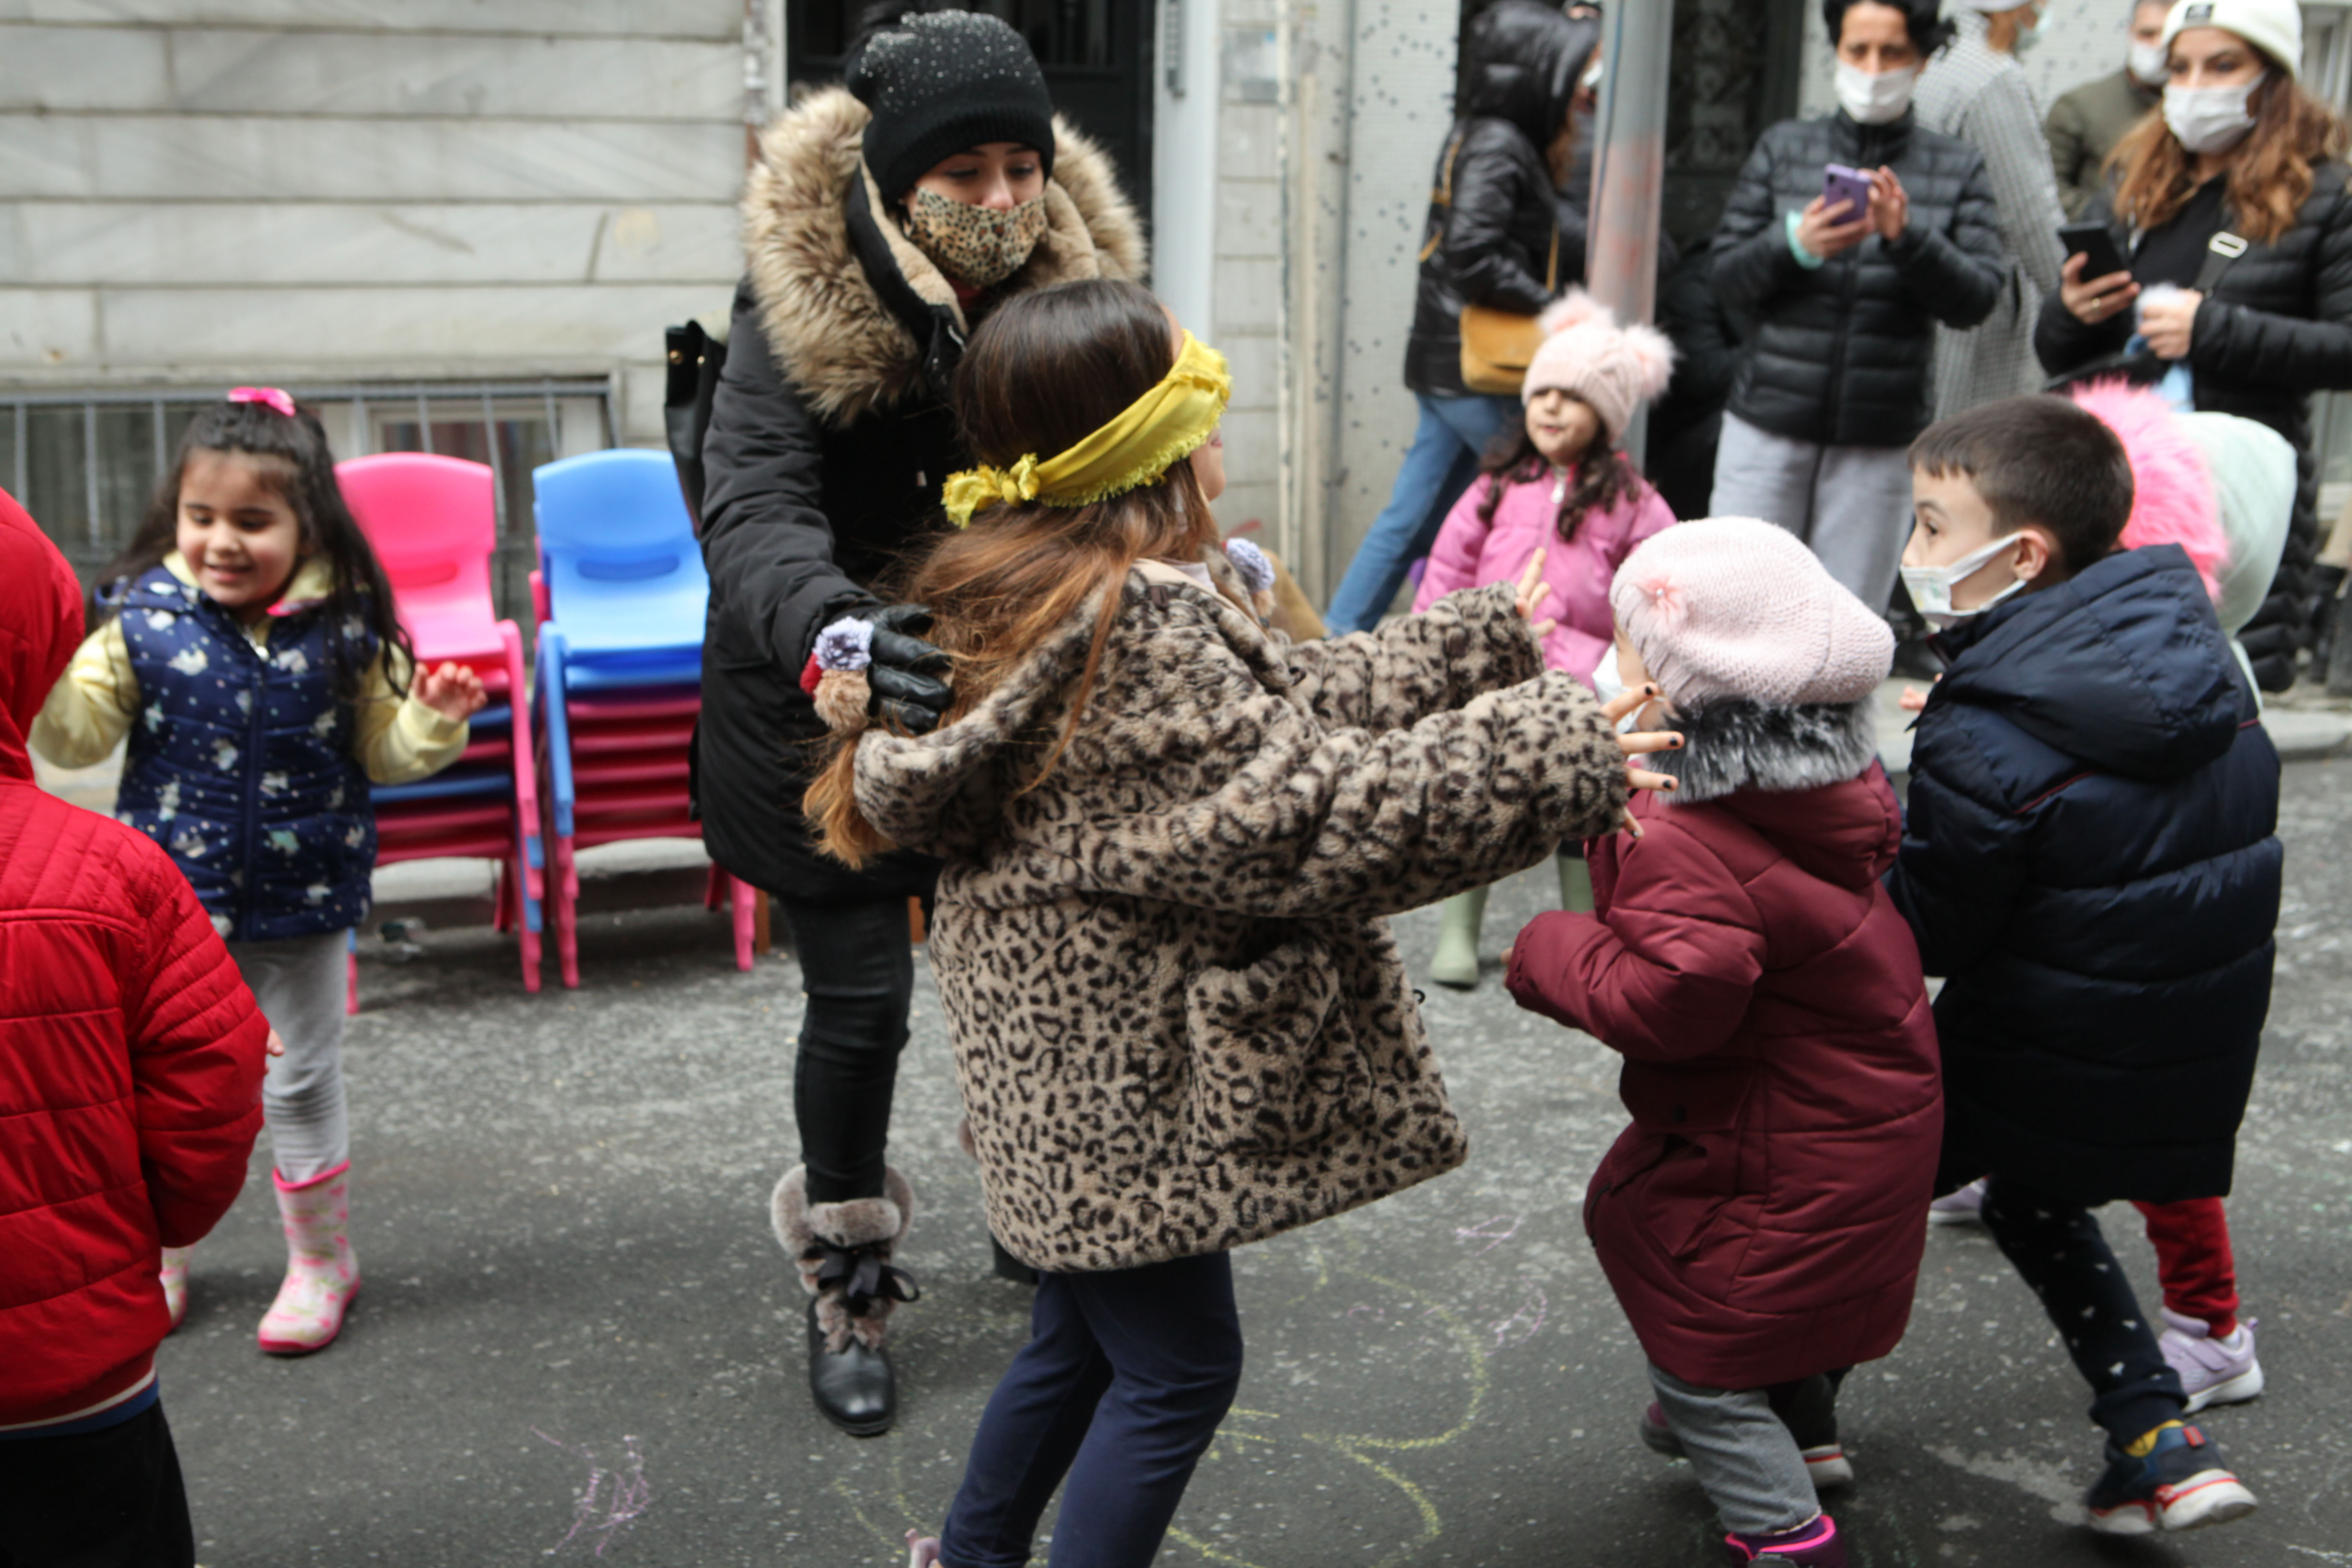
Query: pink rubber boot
(174, 1274)
(322, 1275)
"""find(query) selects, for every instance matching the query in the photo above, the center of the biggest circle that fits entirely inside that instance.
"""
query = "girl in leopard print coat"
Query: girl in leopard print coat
(1171, 841)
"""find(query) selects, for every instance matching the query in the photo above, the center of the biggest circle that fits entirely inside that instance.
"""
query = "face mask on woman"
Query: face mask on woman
(975, 245)
(2210, 119)
(1874, 98)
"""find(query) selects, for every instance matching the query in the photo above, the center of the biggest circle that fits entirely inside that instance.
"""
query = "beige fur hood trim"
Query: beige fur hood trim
(835, 341)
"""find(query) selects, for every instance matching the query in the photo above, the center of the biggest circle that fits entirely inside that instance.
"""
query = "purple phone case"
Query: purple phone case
(1841, 183)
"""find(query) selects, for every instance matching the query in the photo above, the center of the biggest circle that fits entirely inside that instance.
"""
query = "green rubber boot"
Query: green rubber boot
(1575, 885)
(1459, 917)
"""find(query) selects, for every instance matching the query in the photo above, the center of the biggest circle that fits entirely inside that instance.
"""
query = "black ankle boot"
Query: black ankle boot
(855, 1389)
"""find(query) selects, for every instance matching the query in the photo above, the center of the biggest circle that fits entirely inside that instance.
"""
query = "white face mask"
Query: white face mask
(1874, 98)
(1609, 684)
(2148, 65)
(2028, 37)
(1931, 586)
(2210, 119)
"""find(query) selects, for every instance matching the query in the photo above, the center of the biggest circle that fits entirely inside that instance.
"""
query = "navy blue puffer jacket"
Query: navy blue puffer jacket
(2089, 859)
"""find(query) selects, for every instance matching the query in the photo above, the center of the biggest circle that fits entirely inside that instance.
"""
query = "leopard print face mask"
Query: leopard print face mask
(975, 245)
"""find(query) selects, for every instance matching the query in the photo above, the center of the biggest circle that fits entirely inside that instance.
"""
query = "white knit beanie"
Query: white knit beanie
(1585, 353)
(2273, 27)
(1732, 606)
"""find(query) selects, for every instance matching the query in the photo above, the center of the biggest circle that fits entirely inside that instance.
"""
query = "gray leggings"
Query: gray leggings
(1751, 1466)
(302, 984)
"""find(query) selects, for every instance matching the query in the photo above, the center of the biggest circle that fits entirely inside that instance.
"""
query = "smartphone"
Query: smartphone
(1839, 183)
(2097, 242)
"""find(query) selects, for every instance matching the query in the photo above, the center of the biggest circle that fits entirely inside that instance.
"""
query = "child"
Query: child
(1759, 1219)
(1561, 488)
(2222, 488)
(256, 667)
(130, 1059)
(1170, 837)
(2090, 862)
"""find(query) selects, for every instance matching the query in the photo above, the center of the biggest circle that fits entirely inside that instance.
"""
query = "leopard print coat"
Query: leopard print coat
(1180, 1022)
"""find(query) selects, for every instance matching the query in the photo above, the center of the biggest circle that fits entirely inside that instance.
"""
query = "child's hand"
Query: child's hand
(1641, 744)
(275, 1045)
(1914, 698)
(1531, 592)
(453, 690)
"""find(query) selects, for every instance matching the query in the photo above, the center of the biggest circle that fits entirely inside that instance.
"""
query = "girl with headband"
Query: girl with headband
(1171, 841)
(256, 668)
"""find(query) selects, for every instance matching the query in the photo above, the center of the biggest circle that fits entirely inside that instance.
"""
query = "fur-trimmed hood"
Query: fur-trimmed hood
(1734, 744)
(834, 337)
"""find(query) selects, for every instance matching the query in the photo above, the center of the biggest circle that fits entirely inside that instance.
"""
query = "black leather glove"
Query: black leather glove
(905, 674)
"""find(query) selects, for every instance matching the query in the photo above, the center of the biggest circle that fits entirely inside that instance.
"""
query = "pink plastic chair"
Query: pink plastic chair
(433, 521)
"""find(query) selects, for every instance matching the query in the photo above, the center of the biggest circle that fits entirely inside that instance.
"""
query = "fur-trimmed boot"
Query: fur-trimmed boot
(322, 1274)
(843, 1251)
(174, 1276)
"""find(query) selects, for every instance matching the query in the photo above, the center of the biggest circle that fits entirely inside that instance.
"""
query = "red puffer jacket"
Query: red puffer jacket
(1762, 1219)
(131, 1052)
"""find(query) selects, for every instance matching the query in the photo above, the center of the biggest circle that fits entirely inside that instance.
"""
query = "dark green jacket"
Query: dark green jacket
(2084, 127)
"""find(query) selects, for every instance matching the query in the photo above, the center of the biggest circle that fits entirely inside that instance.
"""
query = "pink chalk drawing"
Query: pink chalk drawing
(1526, 1322)
(610, 1500)
(1484, 1231)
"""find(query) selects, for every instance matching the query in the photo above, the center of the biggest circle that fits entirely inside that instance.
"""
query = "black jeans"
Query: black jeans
(1122, 1383)
(109, 1498)
(859, 972)
(2057, 1245)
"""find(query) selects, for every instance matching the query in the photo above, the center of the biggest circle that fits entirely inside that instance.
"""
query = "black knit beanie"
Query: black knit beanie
(941, 81)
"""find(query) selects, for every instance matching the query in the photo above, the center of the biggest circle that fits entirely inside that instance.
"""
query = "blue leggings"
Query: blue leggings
(1120, 1388)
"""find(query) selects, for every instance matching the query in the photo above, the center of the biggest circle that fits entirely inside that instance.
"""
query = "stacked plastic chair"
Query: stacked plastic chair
(433, 523)
(621, 595)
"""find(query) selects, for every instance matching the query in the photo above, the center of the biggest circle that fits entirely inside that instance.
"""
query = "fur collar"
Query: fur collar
(1733, 745)
(834, 339)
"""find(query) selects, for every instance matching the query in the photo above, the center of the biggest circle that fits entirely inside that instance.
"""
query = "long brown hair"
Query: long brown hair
(2269, 176)
(1602, 479)
(1045, 370)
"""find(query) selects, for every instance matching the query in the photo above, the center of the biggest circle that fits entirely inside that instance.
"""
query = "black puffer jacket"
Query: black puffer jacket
(2091, 861)
(1841, 353)
(1495, 232)
(2276, 328)
(829, 439)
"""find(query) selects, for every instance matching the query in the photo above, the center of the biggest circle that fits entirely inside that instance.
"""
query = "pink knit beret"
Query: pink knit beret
(1611, 369)
(1732, 606)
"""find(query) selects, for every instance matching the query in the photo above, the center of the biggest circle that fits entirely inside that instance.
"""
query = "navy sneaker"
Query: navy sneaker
(2181, 1484)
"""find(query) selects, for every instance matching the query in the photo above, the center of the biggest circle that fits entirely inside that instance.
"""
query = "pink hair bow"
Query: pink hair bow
(276, 397)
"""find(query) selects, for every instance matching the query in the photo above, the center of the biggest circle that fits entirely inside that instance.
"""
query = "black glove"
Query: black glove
(906, 670)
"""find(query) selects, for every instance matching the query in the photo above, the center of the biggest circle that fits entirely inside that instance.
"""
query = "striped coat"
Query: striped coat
(1979, 94)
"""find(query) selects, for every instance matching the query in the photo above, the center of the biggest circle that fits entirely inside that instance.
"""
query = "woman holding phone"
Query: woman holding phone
(1835, 382)
(2231, 206)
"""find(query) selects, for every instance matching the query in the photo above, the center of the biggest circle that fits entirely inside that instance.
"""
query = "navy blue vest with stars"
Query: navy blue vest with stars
(242, 764)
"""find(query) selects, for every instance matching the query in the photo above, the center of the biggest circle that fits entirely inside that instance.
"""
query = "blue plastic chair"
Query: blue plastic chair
(623, 571)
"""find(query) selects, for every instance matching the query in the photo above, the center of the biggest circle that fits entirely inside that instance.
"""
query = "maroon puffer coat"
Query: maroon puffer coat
(1763, 1217)
(131, 1051)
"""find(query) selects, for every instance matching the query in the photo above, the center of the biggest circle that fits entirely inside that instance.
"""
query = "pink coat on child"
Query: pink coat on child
(1471, 554)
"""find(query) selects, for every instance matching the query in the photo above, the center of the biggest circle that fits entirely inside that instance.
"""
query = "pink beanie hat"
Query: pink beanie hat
(1733, 606)
(1588, 356)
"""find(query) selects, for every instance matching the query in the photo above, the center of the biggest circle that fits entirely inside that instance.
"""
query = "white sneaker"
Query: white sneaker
(1963, 1208)
(2213, 1372)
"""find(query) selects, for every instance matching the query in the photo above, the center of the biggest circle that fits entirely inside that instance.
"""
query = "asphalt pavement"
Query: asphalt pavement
(578, 1341)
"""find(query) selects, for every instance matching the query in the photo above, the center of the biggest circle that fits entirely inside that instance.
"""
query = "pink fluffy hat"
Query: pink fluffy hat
(1611, 369)
(1733, 606)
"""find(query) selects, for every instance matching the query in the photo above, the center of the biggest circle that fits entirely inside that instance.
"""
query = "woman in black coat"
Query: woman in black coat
(880, 221)
(2259, 332)
(1493, 238)
(1835, 382)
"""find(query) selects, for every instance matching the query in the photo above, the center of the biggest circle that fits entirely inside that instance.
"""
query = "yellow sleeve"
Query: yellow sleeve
(401, 740)
(90, 708)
